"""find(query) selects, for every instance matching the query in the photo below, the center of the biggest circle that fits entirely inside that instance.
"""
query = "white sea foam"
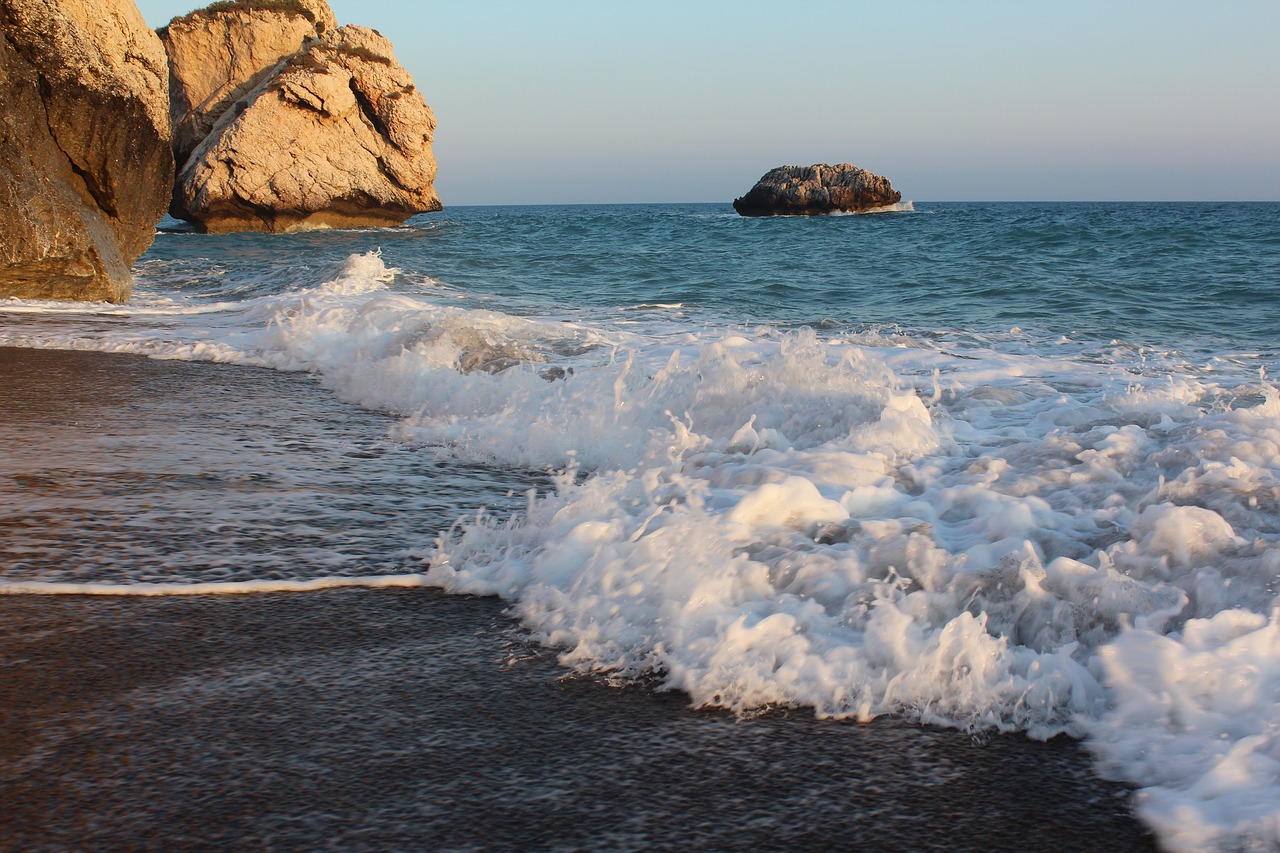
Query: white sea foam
(1195, 721)
(1011, 534)
(898, 207)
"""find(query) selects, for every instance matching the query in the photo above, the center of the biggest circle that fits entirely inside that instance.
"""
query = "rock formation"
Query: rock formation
(818, 189)
(85, 158)
(332, 135)
(217, 54)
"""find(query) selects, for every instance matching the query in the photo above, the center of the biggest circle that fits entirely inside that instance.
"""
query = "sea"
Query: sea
(973, 488)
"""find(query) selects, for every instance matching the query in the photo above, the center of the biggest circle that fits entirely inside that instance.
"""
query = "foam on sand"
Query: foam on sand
(148, 589)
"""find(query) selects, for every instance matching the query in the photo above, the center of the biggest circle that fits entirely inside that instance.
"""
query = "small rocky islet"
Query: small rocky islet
(816, 190)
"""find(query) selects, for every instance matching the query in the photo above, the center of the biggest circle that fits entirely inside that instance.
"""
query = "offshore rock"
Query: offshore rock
(85, 158)
(814, 190)
(217, 54)
(336, 136)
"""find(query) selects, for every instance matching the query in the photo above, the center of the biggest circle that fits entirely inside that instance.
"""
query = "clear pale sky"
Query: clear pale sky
(599, 101)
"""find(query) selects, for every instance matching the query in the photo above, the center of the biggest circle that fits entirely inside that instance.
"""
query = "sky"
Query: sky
(587, 101)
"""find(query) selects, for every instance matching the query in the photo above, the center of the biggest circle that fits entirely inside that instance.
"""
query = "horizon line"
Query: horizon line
(908, 201)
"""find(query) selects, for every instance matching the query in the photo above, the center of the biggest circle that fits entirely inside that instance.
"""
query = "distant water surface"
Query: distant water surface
(1144, 273)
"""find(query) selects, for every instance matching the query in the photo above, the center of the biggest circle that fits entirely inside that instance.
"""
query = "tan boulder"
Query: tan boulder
(337, 136)
(817, 189)
(85, 158)
(217, 54)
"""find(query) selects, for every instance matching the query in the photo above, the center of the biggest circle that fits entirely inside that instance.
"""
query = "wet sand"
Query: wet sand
(391, 719)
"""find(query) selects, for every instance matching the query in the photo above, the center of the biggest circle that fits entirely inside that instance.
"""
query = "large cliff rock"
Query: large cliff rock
(335, 136)
(818, 189)
(217, 54)
(85, 159)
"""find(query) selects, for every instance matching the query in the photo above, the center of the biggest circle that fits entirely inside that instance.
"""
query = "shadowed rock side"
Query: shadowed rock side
(85, 158)
(217, 54)
(336, 135)
(814, 190)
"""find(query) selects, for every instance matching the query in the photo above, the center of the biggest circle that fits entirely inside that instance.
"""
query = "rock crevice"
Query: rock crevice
(217, 54)
(326, 128)
(85, 157)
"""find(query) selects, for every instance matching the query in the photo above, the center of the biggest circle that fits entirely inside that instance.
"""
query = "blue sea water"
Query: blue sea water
(991, 466)
(1155, 273)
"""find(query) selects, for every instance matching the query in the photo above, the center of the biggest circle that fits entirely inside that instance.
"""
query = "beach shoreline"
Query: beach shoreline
(374, 719)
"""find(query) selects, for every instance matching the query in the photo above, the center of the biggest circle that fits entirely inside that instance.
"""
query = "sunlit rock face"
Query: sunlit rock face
(322, 128)
(85, 158)
(817, 189)
(217, 54)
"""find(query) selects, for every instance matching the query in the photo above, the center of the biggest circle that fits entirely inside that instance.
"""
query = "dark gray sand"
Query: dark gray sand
(392, 719)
